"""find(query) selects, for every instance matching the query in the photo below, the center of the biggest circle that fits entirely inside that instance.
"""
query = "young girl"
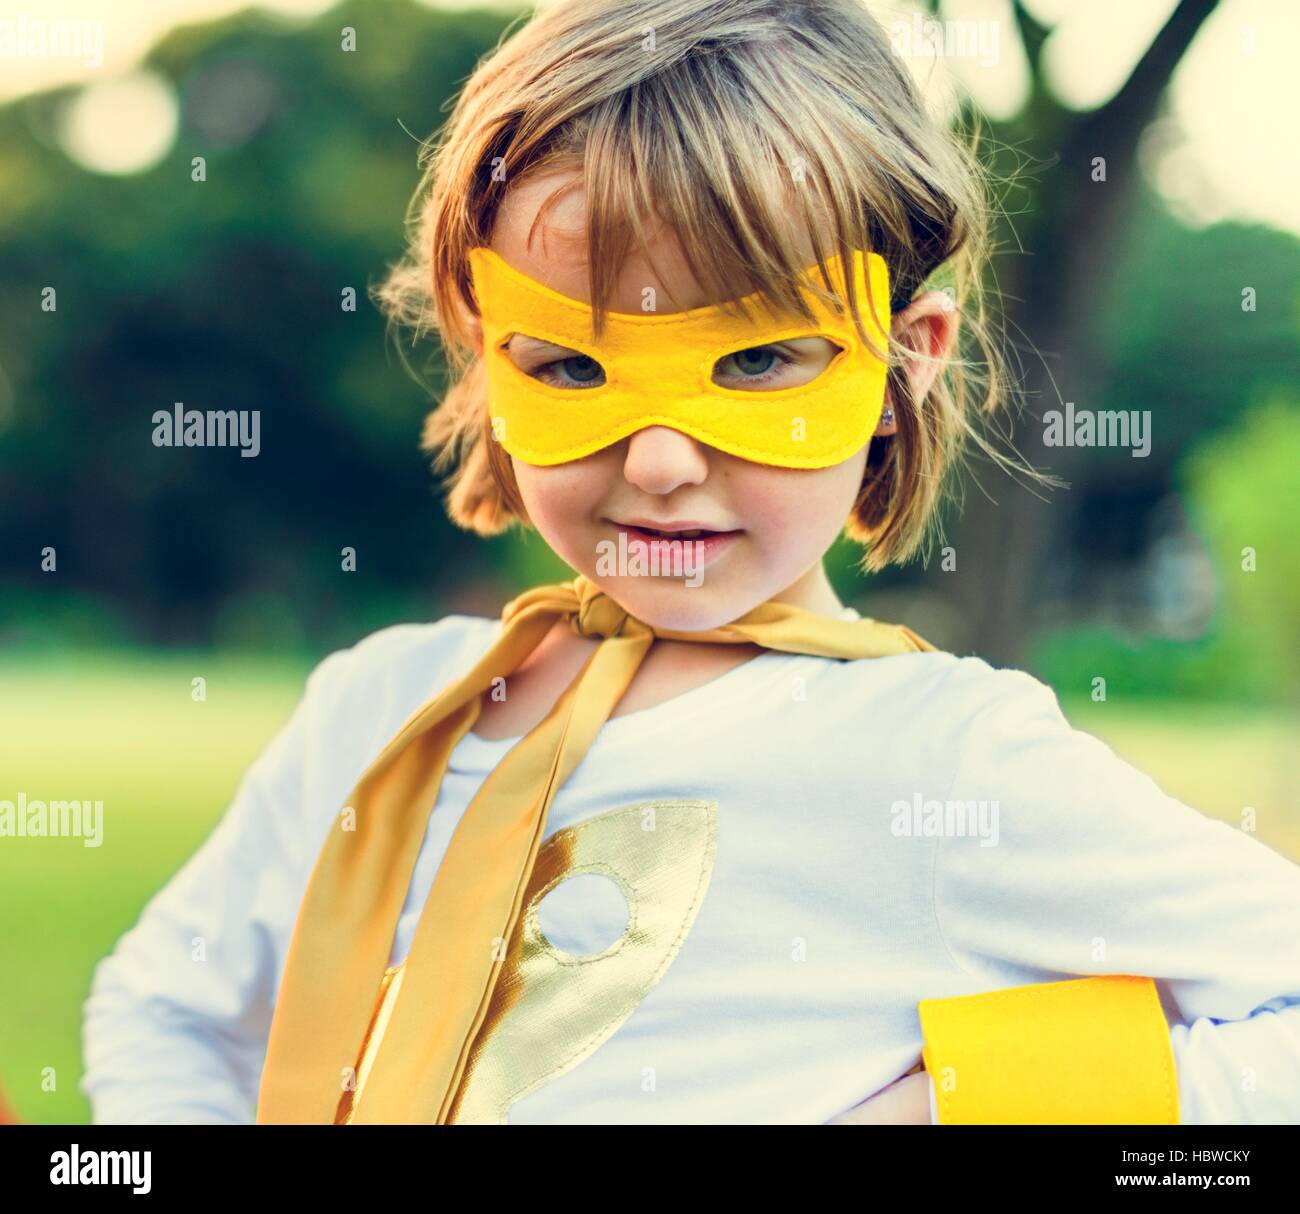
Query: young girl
(686, 839)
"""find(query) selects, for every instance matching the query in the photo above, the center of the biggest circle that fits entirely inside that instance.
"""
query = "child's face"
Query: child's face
(778, 522)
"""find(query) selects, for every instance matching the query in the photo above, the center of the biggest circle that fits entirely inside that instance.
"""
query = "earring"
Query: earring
(887, 417)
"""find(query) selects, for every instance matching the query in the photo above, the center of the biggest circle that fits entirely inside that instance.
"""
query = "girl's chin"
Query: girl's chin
(675, 604)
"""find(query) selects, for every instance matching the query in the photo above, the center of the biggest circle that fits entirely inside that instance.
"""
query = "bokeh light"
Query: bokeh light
(121, 126)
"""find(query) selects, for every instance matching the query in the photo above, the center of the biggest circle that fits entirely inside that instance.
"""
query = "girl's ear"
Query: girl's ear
(474, 326)
(929, 325)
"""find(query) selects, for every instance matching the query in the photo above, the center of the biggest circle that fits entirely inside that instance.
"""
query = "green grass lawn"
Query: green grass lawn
(125, 730)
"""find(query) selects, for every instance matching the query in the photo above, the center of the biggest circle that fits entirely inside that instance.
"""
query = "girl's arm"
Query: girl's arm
(1094, 870)
(175, 1026)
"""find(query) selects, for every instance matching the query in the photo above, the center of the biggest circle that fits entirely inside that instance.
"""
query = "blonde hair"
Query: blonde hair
(717, 117)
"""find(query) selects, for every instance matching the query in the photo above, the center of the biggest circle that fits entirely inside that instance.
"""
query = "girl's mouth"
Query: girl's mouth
(696, 543)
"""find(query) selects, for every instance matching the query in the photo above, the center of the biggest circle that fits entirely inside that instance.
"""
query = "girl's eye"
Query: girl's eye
(753, 362)
(579, 371)
(787, 365)
(749, 364)
(559, 366)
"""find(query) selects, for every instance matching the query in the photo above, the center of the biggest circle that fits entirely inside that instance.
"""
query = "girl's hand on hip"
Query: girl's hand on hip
(906, 1101)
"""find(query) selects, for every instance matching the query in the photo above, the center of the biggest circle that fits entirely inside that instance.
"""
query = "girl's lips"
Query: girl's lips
(663, 547)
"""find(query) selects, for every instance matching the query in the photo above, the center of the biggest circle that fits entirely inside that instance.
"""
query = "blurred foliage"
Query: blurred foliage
(1179, 341)
(1245, 490)
(227, 294)
(1244, 496)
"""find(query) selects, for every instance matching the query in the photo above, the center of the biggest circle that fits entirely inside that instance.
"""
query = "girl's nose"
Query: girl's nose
(660, 458)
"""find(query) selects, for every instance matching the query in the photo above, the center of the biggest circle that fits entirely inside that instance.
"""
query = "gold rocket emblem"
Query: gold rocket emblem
(551, 1009)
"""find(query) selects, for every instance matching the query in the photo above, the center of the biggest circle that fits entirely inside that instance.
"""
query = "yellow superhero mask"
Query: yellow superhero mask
(658, 371)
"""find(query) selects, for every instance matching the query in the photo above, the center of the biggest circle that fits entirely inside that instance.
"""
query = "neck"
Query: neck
(812, 591)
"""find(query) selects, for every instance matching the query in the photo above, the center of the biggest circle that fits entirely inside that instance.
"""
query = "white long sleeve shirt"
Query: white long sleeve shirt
(818, 914)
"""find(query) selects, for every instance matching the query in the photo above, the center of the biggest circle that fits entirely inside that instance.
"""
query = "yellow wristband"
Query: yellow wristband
(1088, 1051)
